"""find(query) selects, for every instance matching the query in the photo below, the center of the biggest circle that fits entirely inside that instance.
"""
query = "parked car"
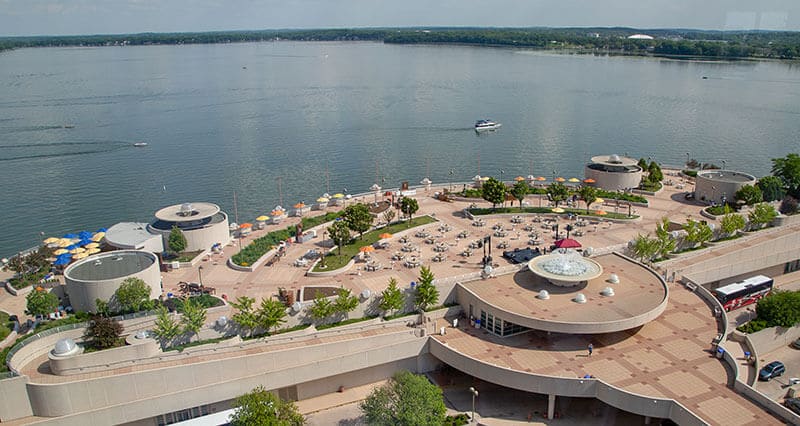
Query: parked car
(796, 344)
(792, 404)
(771, 371)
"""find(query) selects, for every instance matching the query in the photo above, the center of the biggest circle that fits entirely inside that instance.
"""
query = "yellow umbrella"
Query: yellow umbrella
(385, 236)
(599, 200)
(80, 255)
(339, 195)
(91, 245)
(557, 210)
(560, 179)
(519, 178)
(92, 250)
(64, 242)
(77, 250)
(51, 240)
(485, 178)
(98, 236)
(262, 218)
(573, 180)
(59, 252)
(322, 200)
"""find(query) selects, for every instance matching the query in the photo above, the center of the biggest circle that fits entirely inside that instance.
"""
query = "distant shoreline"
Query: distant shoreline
(671, 43)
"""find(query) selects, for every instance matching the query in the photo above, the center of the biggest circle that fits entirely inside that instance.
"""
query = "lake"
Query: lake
(256, 117)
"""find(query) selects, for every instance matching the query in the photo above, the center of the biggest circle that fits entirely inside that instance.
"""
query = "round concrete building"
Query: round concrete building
(99, 276)
(612, 172)
(203, 224)
(718, 186)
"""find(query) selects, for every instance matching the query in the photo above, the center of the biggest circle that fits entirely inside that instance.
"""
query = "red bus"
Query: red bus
(743, 293)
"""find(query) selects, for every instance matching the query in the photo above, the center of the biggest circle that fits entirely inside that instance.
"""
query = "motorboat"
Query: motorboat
(485, 125)
(140, 144)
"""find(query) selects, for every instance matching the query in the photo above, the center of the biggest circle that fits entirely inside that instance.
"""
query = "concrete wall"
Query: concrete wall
(712, 190)
(99, 361)
(349, 380)
(14, 403)
(200, 239)
(613, 181)
(769, 339)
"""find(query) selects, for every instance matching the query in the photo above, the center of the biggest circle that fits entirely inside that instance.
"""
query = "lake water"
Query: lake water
(225, 118)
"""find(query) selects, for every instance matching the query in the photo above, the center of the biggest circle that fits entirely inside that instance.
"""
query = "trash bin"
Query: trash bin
(720, 352)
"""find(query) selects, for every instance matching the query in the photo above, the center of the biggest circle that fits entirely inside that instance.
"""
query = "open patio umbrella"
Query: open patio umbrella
(557, 210)
(338, 195)
(300, 205)
(91, 245)
(60, 252)
(98, 236)
(477, 178)
(519, 178)
(77, 250)
(64, 242)
(61, 261)
(485, 178)
(51, 240)
(600, 212)
(84, 235)
(567, 243)
(574, 180)
(262, 218)
(560, 179)
(245, 225)
(92, 251)
(322, 200)
(72, 247)
(385, 236)
(70, 235)
(541, 178)
(275, 213)
(589, 180)
(599, 200)
(366, 249)
(80, 255)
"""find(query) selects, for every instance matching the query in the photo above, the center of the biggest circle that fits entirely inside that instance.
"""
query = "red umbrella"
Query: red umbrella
(567, 243)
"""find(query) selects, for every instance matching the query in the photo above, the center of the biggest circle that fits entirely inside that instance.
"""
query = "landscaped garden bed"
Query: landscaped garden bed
(548, 210)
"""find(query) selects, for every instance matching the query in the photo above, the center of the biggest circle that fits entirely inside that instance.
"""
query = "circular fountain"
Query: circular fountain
(565, 268)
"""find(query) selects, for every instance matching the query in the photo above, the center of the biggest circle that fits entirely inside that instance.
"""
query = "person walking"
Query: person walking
(591, 349)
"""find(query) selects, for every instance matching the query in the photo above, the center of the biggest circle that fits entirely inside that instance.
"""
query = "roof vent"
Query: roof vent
(608, 291)
(613, 279)
(65, 347)
(580, 298)
(614, 159)
(186, 209)
(544, 295)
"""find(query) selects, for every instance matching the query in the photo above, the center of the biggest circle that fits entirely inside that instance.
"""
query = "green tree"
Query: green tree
(426, 293)
(193, 318)
(358, 218)
(409, 206)
(588, 194)
(494, 191)
(520, 190)
(780, 308)
(103, 332)
(762, 214)
(644, 248)
(749, 195)
(41, 302)
(557, 192)
(787, 169)
(271, 313)
(176, 240)
(772, 188)
(339, 233)
(391, 298)
(642, 163)
(245, 317)
(697, 233)
(731, 222)
(322, 307)
(388, 216)
(102, 308)
(666, 244)
(788, 205)
(345, 302)
(407, 399)
(166, 326)
(654, 173)
(259, 407)
(132, 295)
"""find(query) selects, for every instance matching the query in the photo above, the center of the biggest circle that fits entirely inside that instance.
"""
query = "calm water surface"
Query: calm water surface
(225, 118)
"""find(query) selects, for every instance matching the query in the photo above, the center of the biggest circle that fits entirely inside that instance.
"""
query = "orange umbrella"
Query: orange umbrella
(600, 212)
(560, 179)
(541, 178)
(385, 235)
(589, 180)
(519, 178)
(366, 249)
(246, 225)
(276, 213)
(299, 205)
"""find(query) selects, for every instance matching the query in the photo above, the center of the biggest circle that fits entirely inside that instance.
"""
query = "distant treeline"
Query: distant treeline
(669, 42)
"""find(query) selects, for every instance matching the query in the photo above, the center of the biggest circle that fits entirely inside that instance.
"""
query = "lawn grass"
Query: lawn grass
(333, 260)
(180, 348)
(345, 322)
(548, 210)
(6, 327)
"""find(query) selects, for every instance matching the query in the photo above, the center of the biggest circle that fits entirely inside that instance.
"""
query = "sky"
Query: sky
(69, 17)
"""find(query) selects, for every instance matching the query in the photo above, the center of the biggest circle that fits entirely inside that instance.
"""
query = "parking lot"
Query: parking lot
(777, 388)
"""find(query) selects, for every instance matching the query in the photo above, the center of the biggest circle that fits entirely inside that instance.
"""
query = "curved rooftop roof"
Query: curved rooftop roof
(727, 176)
(187, 212)
(614, 160)
(110, 265)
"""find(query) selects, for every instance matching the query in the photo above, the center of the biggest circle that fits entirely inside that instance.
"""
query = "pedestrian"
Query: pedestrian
(591, 348)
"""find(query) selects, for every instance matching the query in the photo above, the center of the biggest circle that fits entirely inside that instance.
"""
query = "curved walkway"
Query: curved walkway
(667, 358)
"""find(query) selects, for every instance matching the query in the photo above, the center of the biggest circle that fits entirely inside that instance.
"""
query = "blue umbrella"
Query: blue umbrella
(84, 242)
(85, 235)
(72, 247)
(102, 230)
(70, 236)
(61, 261)
(67, 255)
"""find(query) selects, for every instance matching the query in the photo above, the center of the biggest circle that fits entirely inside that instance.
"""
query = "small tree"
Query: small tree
(557, 192)
(409, 206)
(407, 399)
(345, 302)
(245, 316)
(176, 240)
(666, 244)
(41, 302)
(391, 298)
(731, 222)
(132, 294)
(103, 332)
(697, 233)
(194, 317)
(494, 191)
(654, 173)
(762, 214)
(519, 191)
(644, 248)
(340, 234)
(427, 294)
(102, 308)
(271, 314)
(388, 216)
(322, 307)
(166, 326)
(787, 169)
(259, 407)
(749, 195)
(642, 163)
(771, 188)
(588, 194)
(358, 218)
(780, 308)
(788, 205)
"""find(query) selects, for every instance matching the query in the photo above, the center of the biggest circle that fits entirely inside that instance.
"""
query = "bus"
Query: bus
(743, 293)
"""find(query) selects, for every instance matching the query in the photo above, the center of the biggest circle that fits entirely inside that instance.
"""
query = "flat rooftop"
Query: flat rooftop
(727, 176)
(110, 265)
(129, 234)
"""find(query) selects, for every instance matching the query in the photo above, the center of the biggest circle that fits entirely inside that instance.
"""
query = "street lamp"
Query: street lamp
(474, 393)
(452, 171)
(687, 160)
(723, 164)
(200, 275)
(322, 260)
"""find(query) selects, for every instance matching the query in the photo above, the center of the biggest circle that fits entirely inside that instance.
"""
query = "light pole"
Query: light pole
(723, 164)
(687, 160)
(474, 393)
(322, 261)
(200, 275)
(452, 171)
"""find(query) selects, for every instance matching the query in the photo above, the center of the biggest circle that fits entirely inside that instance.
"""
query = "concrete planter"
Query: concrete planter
(18, 292)
(331, 272)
